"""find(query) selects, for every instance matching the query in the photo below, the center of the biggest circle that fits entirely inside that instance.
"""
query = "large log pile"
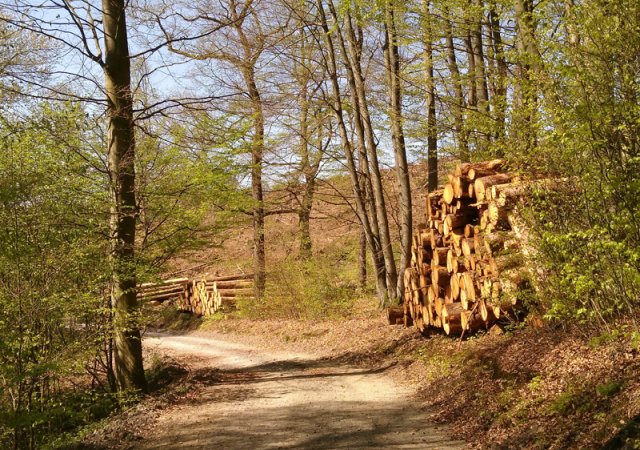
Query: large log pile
(466, 267)
(202, 296)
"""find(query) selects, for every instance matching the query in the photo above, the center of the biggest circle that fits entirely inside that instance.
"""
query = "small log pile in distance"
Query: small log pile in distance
(202, 296)
(466, 265)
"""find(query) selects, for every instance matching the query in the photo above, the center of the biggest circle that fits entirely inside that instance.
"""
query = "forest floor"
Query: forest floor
(357, 382)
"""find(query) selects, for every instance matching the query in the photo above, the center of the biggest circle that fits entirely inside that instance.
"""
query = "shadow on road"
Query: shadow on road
(291, 403)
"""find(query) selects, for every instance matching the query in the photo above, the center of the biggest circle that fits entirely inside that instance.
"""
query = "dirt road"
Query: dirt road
(257, 400)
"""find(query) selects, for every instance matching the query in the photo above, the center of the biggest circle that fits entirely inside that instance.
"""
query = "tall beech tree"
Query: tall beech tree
(430, 89)
(336, 105)
(116, 66)
(370, 172)
(394, 80)
(72, 27)
(233, 33)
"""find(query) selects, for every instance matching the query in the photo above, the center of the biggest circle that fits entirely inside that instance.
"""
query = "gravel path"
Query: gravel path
(257, 400)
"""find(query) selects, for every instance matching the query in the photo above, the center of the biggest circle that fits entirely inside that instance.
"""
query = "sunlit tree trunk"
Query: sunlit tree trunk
(499, 94)
(432, 132)
(392, 63)
(121, 158)
(525, 92)
(336, 106)
(459, 103)
(371, 171)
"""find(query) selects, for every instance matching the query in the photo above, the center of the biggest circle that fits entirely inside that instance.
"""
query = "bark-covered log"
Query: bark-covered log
(485, 168)
(480, 185)
(247, 276)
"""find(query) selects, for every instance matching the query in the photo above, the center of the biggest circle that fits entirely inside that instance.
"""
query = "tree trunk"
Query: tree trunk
(499, 97)
(336, 106)
(471, 72)
(304, 212)
(362, 261)
(432, 132)
(352, 54)
(478, 58)
(400, 154)
(480, 77)
(364, 172)
(525, 94)
(257, 153)
(459, 102)
(128, 365)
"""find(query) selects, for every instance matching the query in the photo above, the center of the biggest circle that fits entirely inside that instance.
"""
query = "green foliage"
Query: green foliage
(588, 229)
(609, 389)
(187, 192)
(55, 322)
(304, 289)
(52, 274)
(572, 400)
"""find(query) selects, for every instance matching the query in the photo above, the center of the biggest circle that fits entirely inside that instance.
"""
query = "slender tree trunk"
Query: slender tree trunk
(459, 102)
(471, 73)
(257, 153)
(362, 251)
(362, 261)
(499, 98)
(400, 154)
(372, 153)
(364, 171)
(352, 57)
(304, 218)
(336, 105)
(432, 132)
(121, 161)
(478, 58)
(525, 94)
(304, 213)
(480, 77)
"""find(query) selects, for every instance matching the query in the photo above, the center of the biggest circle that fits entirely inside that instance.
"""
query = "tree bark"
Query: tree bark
(400, 154)
(257, 151)
(525, 95)
(336, 106)
(471, 72)
(499, 97)
(459, 102)
(362, 261)
(304, 212)
(128, 362)
(432, 132)
(352, 56)
(480, 74)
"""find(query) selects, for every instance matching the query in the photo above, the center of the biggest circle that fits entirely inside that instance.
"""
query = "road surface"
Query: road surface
(255, 400)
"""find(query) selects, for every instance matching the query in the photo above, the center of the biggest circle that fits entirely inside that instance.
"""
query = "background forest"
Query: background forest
(133, 133)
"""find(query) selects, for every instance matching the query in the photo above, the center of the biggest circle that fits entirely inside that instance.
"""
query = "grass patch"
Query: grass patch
(571, 401)
(609, 389)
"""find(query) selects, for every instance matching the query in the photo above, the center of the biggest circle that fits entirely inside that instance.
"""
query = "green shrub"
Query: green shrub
(303, 289)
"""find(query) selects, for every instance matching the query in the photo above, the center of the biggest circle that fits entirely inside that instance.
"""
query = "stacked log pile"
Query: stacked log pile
(202, 296)
(466, 267)
(161, 291)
